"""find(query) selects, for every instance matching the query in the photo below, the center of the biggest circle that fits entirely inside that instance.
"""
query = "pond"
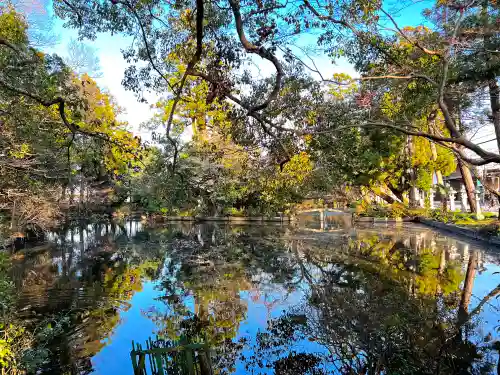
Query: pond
(268, 299)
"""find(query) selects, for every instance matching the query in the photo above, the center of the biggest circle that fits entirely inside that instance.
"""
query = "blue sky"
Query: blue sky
(108, 50)
(113, 66)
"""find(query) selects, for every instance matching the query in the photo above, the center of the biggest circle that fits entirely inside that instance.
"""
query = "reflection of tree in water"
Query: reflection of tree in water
(218, 309)
(375, 309)
(371, 305)
(211, 265)
(79, 288)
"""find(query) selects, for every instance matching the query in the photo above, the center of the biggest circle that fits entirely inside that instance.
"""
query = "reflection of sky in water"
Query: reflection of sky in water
(114, 358)
(268, 303)
(264, 299)
(489, 318)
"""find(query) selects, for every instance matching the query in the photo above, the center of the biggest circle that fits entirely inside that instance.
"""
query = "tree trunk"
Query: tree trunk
(495, 113)
(495, 107)
(62, 198)
(82, 242)
(463, 310)
(469, 184)
(494, 90)
(72, 195)
(13, 224)
(439, 175)
(386, 197)
(82, 190)
(398, 194)
(431, 121)
(413, 176)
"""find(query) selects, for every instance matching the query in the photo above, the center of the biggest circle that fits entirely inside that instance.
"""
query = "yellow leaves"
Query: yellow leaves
(185, 20)
(412, 30)
(343, 86)
(390, 106)
(20, 152)
(311, 118)
(98, 116)
(295, 171)
(12, 26)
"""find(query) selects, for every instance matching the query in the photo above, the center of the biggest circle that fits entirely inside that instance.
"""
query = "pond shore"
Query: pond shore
(232, 219)
(473, 233)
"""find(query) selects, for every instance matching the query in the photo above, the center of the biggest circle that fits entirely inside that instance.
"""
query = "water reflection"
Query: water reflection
(268, 299)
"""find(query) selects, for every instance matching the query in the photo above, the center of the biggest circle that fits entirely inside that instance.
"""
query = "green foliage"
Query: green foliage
(440, 215)
(59, 131)
(393, 211)
(216, 176)
(14, 27)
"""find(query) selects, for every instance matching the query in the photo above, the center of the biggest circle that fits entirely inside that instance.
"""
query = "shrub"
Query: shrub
(233, 211)
(421, 212)
(397, 210)
(440, 215)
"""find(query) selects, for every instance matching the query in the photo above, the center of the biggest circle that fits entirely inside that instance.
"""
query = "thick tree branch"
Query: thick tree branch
(448, 119)
(262, 52)
(9, 45)
(486, 157)
(60, 102)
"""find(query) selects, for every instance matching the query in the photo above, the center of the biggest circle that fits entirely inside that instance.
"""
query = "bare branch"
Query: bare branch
(486, 157)
(262, 52)
(415, 43)
(448, 119)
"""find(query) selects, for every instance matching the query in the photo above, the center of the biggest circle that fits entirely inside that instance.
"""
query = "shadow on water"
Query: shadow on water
(266, 299)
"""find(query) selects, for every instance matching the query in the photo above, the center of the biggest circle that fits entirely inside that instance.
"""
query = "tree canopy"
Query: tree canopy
(268, 126)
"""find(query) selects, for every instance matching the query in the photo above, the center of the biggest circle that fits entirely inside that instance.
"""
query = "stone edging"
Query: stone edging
(232, 219)
(467, 232)
(371, 219)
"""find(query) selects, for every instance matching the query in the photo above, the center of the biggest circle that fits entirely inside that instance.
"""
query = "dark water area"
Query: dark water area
(316, 298)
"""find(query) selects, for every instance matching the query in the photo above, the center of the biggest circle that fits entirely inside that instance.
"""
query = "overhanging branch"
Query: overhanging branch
(262, 52)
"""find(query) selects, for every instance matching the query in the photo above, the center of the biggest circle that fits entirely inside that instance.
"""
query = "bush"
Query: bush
(355, 204)
(462, 216)
(232, 211)
(440, 215)
(421, 212)
(395, 210)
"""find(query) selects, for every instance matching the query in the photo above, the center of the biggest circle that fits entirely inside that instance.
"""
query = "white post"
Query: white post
(479, 214)
(463, 198)
(451, 197)
(421, 200)
(431, 197)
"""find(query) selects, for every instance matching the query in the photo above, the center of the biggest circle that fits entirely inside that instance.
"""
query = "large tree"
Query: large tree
(53, 125)
(216, 40)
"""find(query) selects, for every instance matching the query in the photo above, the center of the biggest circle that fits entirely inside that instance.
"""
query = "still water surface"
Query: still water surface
(268, 299)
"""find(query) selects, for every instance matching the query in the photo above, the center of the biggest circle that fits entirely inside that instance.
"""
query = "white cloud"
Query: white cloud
(113, 67)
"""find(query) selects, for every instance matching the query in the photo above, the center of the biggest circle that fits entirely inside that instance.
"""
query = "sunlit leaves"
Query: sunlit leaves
(12, 26)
